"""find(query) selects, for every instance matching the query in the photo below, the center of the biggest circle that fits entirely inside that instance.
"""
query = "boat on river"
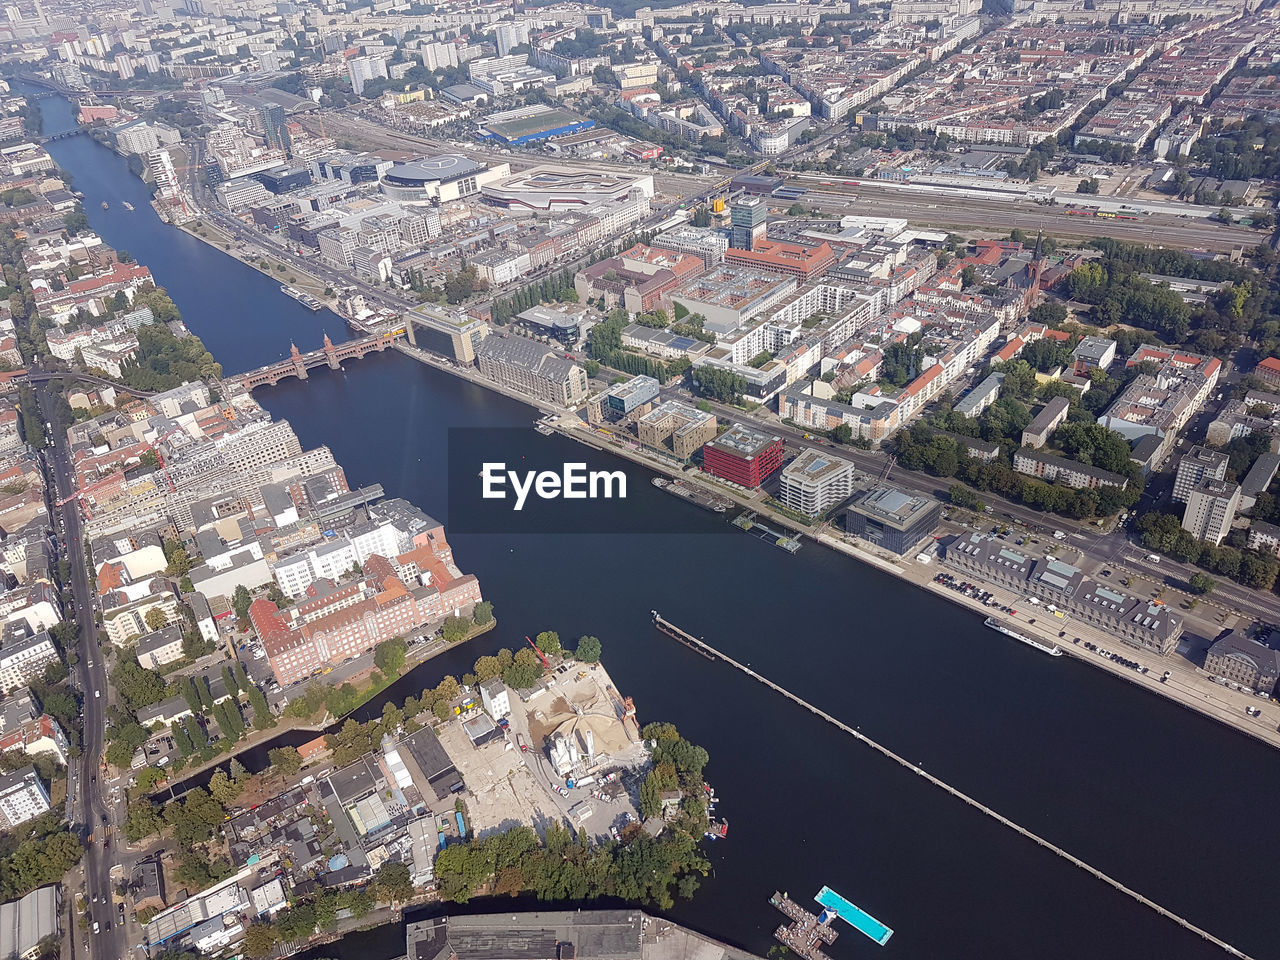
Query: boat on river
(1051, 649)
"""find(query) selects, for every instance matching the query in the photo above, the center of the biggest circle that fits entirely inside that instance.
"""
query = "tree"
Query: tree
(389, 656)
(524, 671)
(1087, 185)
(138, 687)
(588, 650)
(393, 882)
(262, 715)
(143, 821)
(230, 680)
(483, 613)
(548, 642)
(240, 602)
(176, 554)
(155, 619)
(223, 788)
(484, 669)
(260, 940)
(455, 629)
(1201, 584)
(286, 760)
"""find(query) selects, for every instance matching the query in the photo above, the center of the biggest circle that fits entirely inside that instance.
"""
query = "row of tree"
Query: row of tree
(552, 288)
(1163, 533)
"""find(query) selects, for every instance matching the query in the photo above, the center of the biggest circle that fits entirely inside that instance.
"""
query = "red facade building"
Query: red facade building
(743, 456)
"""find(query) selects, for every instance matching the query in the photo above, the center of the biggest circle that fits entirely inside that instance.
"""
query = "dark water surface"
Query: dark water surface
(1166, 801)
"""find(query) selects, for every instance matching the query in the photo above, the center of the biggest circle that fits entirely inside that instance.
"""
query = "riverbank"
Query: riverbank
(1188, 686)
(291, 275)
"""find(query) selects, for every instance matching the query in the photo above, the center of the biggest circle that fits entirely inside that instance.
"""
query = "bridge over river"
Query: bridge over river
(330, 355)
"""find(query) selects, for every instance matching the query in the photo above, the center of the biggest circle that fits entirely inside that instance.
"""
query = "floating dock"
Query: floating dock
(694, 494)
(749, 523)
(806, 933)
(856, 917)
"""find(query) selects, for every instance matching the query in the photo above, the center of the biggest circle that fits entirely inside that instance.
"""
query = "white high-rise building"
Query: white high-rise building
(511, 35)
(160, 166)
(363, 69)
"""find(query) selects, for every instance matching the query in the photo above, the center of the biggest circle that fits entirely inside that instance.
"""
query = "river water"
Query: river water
(1142, 789)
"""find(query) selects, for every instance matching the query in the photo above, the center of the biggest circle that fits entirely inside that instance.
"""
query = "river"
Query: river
(1137, 786)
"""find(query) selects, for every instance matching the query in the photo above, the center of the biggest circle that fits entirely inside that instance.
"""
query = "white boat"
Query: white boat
(1051, 650)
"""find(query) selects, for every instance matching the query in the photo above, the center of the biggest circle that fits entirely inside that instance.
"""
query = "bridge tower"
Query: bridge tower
(299, 365)
(331, 352)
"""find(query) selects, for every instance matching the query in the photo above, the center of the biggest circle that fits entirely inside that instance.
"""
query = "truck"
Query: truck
(524, 747)
(1153, 558)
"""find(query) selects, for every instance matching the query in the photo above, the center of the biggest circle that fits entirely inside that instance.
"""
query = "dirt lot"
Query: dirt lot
(503, 791)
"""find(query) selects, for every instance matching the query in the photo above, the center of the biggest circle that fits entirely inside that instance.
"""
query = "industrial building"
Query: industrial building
(815, 482)
(25, 923)
(893, 519)
(1138, 621)
(743, 456)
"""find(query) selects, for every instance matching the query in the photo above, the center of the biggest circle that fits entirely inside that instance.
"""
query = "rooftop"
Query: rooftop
(743, 442)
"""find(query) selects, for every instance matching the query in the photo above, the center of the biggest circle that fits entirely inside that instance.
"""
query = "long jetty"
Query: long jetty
(671, 630)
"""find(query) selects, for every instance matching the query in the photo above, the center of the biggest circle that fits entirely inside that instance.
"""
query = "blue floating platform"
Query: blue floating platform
(856, 917)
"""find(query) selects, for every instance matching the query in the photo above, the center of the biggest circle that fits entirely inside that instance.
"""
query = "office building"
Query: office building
(494, 698)
(893, 519)
(533, 369)
(23, 797)
(743, 456)
(274, 126)
(687, 427)
(748, 218)
(1239, 660)
(1211, 507)
(1199, 464)
(465, 332)
(815, 482)
(638, 392)
(1138, 621)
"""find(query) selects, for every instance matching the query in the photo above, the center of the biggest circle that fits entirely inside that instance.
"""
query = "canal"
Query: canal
(1142, 789)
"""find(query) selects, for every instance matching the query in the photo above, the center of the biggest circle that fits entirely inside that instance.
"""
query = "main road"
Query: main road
(87, 806)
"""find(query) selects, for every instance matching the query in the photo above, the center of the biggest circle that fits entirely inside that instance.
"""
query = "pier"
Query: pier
(671, 630)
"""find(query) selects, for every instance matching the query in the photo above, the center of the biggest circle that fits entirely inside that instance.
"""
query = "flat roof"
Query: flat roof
(744, 442)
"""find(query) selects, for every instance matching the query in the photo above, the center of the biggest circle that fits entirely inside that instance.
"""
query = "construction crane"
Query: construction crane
(541, 656)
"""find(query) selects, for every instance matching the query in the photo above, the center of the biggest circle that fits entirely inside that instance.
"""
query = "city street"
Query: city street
(95, 811)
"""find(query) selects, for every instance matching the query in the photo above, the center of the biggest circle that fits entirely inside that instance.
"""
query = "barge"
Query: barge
(1051, 649)
(694, 494)
(306, 299)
